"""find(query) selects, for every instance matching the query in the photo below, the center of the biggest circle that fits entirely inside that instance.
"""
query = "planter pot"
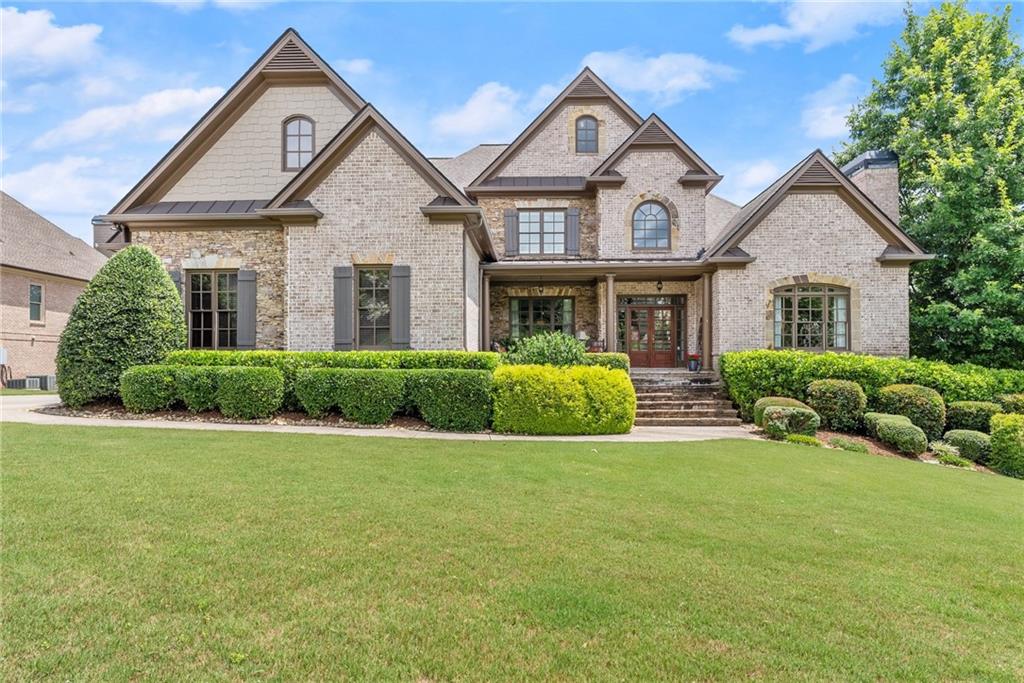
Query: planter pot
(694, 365)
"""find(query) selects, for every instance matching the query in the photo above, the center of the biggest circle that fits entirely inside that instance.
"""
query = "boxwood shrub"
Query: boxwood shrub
(145, 388)
(971, 414)
(456, 400)
(923, 406)
(780, 421)
(365, 396)
(902, 435)
(749, 375)
(197, 386)
(1011, 403)
(543, 399)
(840, 403)
(547, 348)
(871, 421)
(612, 361)
(1007, 454)
(249, 393)
(767, 401)
(972, 444)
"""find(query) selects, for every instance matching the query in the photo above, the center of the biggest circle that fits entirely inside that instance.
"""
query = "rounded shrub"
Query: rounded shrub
(1012, 403)
(971, 414)
(456, 400)
(145, 388)
(839, 402)
(364, 396)
(871, 421)
(904, 436)
(1007, 455)
(972, 444)
(129, 314)
(197, 386)
(780, 421)
(612, 361)
(768, 401)
(249, 393)
(921, 405)
(610, 397)
(547, 348)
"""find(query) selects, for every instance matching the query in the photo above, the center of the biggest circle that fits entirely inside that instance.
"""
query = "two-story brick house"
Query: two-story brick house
(294, 215)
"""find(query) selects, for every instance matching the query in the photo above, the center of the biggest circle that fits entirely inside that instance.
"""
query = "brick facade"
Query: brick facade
(32, 346)
(882, 185)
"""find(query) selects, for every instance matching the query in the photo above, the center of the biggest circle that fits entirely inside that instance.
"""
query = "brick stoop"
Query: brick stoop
(680, 398)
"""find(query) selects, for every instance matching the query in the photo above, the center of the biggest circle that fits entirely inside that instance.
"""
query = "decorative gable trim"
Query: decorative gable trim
(289, 60)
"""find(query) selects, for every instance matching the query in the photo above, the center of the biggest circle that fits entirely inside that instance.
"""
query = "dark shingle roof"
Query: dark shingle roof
(29, 241)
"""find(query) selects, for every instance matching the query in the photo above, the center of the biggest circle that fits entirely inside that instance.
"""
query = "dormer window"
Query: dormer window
(586, 135)
(298, 143)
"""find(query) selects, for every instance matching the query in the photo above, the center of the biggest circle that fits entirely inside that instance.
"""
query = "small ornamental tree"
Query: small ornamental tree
(130, 314)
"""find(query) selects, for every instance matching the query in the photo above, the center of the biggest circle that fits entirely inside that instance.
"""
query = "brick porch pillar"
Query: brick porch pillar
(610, 335)
(486, 317)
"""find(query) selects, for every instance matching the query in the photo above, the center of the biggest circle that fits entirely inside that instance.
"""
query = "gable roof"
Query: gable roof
(816, 171)
(289, 59)
(656, 133)
(345, 140)
(586, 86)
(30, 242)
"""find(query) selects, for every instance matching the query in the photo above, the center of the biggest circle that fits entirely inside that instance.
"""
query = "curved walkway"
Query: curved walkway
(24, 409)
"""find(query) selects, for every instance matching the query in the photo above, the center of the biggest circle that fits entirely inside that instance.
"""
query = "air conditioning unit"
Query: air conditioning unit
(15, 384)
(31, 382)
(46, 382)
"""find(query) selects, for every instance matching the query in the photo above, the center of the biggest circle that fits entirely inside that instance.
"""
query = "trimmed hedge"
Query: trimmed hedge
(973, 445)
(364, 396)
(1007, 455)
(749, 375)
(903, 436)
(780, 421)
(612, 361)
(971, 414)
(871, 421)
(456, 400)
(767, 401)
(197, 386)
(1011, 403)
(547, 348)
(923, 406)
(542, 399)
(146, 388)
(840, 403)
(249, 393)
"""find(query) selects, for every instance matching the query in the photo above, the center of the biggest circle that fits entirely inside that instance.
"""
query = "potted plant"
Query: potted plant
(693, 360)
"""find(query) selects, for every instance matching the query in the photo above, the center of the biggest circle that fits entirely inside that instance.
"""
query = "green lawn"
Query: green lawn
(157, 554)
(4, 391)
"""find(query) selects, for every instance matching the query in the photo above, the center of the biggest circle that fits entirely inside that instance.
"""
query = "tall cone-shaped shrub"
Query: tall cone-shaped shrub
(130, 314)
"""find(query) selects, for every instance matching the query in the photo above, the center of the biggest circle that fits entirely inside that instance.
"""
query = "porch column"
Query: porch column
(486, 313)
(610, 333)
(705, 321)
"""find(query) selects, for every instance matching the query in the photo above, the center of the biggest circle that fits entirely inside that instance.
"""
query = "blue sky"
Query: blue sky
(95, 93)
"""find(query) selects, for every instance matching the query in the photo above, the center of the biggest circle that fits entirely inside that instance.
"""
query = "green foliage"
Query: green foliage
(951, 105)
(948, 454)
(129, 314)
(904, 436)
(1007, 455)
(543, 399)
(364, 396)
(780, 421)
(848, 444)
(249, 393)
(972, 445)
(455, 400)
(749, 375)
(803, 440)
(871, 421)
(923, 406)
(547, 348)
(145, 388)
(612, 361)
(839, 402)
(197, 386)
(971, 414)
(769, 401)
(1011, 403)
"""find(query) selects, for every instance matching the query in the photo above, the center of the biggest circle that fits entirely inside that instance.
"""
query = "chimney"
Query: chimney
(877, 175)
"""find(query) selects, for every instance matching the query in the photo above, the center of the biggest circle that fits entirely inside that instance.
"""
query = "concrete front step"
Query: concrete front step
(645, 412)
(687, 421)
(684, 405)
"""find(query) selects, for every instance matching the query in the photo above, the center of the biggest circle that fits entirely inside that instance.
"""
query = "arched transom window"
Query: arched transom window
(812, 318)
(298, 143)
(586, 135)
(651, 226)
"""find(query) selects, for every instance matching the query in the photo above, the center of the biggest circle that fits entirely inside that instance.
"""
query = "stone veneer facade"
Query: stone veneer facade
(585, 305)
(494, 210)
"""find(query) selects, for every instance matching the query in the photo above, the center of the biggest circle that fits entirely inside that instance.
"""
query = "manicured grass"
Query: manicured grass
(158, 554)
(24, 392)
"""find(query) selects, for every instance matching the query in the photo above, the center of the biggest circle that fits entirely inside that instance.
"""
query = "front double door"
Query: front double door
(651, 336)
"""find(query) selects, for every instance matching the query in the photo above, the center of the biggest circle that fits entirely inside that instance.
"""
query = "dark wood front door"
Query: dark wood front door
(651, 336)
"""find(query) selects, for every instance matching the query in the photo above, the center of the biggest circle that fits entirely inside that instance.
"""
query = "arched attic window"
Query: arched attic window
(651, 227)
(296, 143)
(811, 317)
(586, 135)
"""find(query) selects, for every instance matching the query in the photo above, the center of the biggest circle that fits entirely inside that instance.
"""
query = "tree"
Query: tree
(951, 105)
(129, 314)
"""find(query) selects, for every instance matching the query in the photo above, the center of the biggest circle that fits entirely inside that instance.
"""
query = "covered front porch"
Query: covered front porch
(652, 311)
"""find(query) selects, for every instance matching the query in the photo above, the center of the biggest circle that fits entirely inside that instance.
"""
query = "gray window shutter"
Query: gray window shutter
(344, 309)
(511, 232)
(176, 279)
(572, 232)
(400, 305)
(246, 310)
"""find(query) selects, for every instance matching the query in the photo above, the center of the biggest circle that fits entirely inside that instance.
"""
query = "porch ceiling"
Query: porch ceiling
(587, 271)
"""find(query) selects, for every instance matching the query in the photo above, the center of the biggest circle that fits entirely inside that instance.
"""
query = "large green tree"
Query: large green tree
(951, 105)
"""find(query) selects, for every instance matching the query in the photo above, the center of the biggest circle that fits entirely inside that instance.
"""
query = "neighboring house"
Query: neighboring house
(294, 215)
(42, 271)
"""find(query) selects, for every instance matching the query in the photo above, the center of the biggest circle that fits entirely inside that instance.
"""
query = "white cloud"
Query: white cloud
(137, 117)
(665, 77)
(825, 110)
(32, 44)
(354, 67)
(493, 113)
(818, 24)
(748, 178)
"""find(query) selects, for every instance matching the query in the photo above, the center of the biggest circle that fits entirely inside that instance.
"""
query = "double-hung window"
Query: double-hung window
(542, 231)
(212, 309)
(35, 303)
(373, 302)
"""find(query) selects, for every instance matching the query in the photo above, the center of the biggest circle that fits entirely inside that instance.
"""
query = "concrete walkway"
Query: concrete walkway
(24, 409)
